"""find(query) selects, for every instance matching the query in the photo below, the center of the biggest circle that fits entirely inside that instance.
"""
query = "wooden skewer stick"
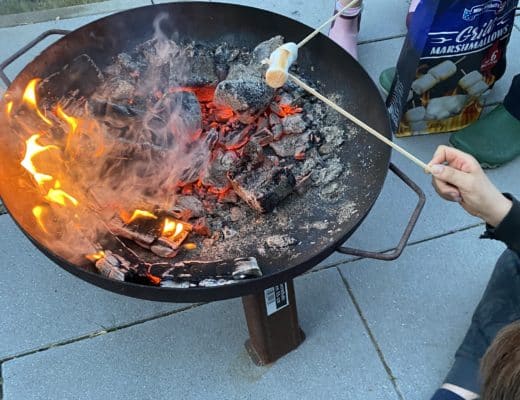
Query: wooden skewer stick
(360, 123)
(282, 58)
(318, 30)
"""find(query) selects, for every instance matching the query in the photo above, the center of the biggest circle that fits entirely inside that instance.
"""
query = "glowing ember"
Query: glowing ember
(190, 246)
(59, 196)
(287, 109)
(96, 256)
(137, 214)
(38, 214)
(29, 97)
(9, 108)
(32, 149)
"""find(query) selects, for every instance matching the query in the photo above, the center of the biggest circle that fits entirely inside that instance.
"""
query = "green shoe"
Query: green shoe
(386, 79)
(493, 140)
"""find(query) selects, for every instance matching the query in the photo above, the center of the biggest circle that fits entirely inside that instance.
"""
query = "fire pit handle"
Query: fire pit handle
(396, 253)
(25, 49)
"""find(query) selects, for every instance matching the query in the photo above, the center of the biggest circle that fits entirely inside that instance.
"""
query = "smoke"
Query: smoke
(134, 142)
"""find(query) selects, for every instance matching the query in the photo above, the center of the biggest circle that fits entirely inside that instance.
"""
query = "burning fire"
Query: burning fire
(172, 229)
(136, 214)
(29, 98)
(287, 109)
(96, 256)
(58, 196)
(9, 108)
(38, 214)
(32, 149)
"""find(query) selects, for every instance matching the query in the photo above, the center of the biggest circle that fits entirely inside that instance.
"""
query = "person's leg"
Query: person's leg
(344, 30)
(495, 138)
(499, 306)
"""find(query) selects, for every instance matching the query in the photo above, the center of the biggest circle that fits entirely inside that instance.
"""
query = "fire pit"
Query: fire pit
(145, 154)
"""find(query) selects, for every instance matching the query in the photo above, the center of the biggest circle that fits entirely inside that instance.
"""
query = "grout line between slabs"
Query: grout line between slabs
(97, 333)
(414, 243)
(372, 337)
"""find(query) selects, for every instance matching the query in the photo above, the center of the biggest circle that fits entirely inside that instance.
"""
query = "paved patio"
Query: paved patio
(375, 330)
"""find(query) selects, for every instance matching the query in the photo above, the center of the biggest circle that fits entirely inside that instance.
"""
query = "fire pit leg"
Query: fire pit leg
(272, 321)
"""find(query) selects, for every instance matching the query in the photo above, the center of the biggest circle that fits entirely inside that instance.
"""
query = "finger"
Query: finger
(445, 173)
(455, 158)
(446, 191)
(439, 157)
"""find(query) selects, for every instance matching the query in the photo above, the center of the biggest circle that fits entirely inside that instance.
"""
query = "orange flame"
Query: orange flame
(71, 121)
(32, 149)
(190, 246)
(9, 108)
(29, 97)
(59, 196)
(96, 256)
(38, 214)
(137, 214)
(171, 228)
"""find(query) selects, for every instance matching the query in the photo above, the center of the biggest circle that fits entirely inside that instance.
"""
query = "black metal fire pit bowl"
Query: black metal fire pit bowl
(320, 60)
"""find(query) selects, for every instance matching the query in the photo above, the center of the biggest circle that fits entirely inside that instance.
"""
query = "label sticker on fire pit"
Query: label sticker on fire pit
(276, 298)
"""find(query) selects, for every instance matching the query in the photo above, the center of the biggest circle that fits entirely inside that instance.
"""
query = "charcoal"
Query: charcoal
(264, 188)
(194, 67)
(263, 50)
(276, 126)
(81, 77)
(216, 173)
(247, 98)
(191, 203)
(262, 137)
(118, 90)
(290, 146)
(293, 124)
(245, 89)
(236, 139)
(180, 112)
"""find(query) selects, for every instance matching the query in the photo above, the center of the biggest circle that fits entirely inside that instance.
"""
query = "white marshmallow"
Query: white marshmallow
(470, 79)
(424, 83)
(279, 63)
(443, 70)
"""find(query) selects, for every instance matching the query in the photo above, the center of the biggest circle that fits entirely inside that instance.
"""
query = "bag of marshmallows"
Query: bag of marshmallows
(454, 53)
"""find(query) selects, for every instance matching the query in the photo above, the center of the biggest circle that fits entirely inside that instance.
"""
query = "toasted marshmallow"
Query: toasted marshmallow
(279, 63)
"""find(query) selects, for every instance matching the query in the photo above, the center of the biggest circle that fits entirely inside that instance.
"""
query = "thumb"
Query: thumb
(450, 175)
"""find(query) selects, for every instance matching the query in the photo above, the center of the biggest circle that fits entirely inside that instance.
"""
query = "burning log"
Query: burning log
(163, 235)
(114, 266)
(265, 187)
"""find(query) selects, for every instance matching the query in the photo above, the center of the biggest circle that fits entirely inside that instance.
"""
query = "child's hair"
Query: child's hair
(500, 366)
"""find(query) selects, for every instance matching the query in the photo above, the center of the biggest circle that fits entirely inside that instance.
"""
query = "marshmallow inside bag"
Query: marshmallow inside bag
(470, 79)
(444, 70)
(279, 63)
(424, 83)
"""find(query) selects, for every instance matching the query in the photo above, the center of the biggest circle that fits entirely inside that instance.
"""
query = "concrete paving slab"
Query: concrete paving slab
(420, 306)
(102, 7)
(199, 354)
(41, 304)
